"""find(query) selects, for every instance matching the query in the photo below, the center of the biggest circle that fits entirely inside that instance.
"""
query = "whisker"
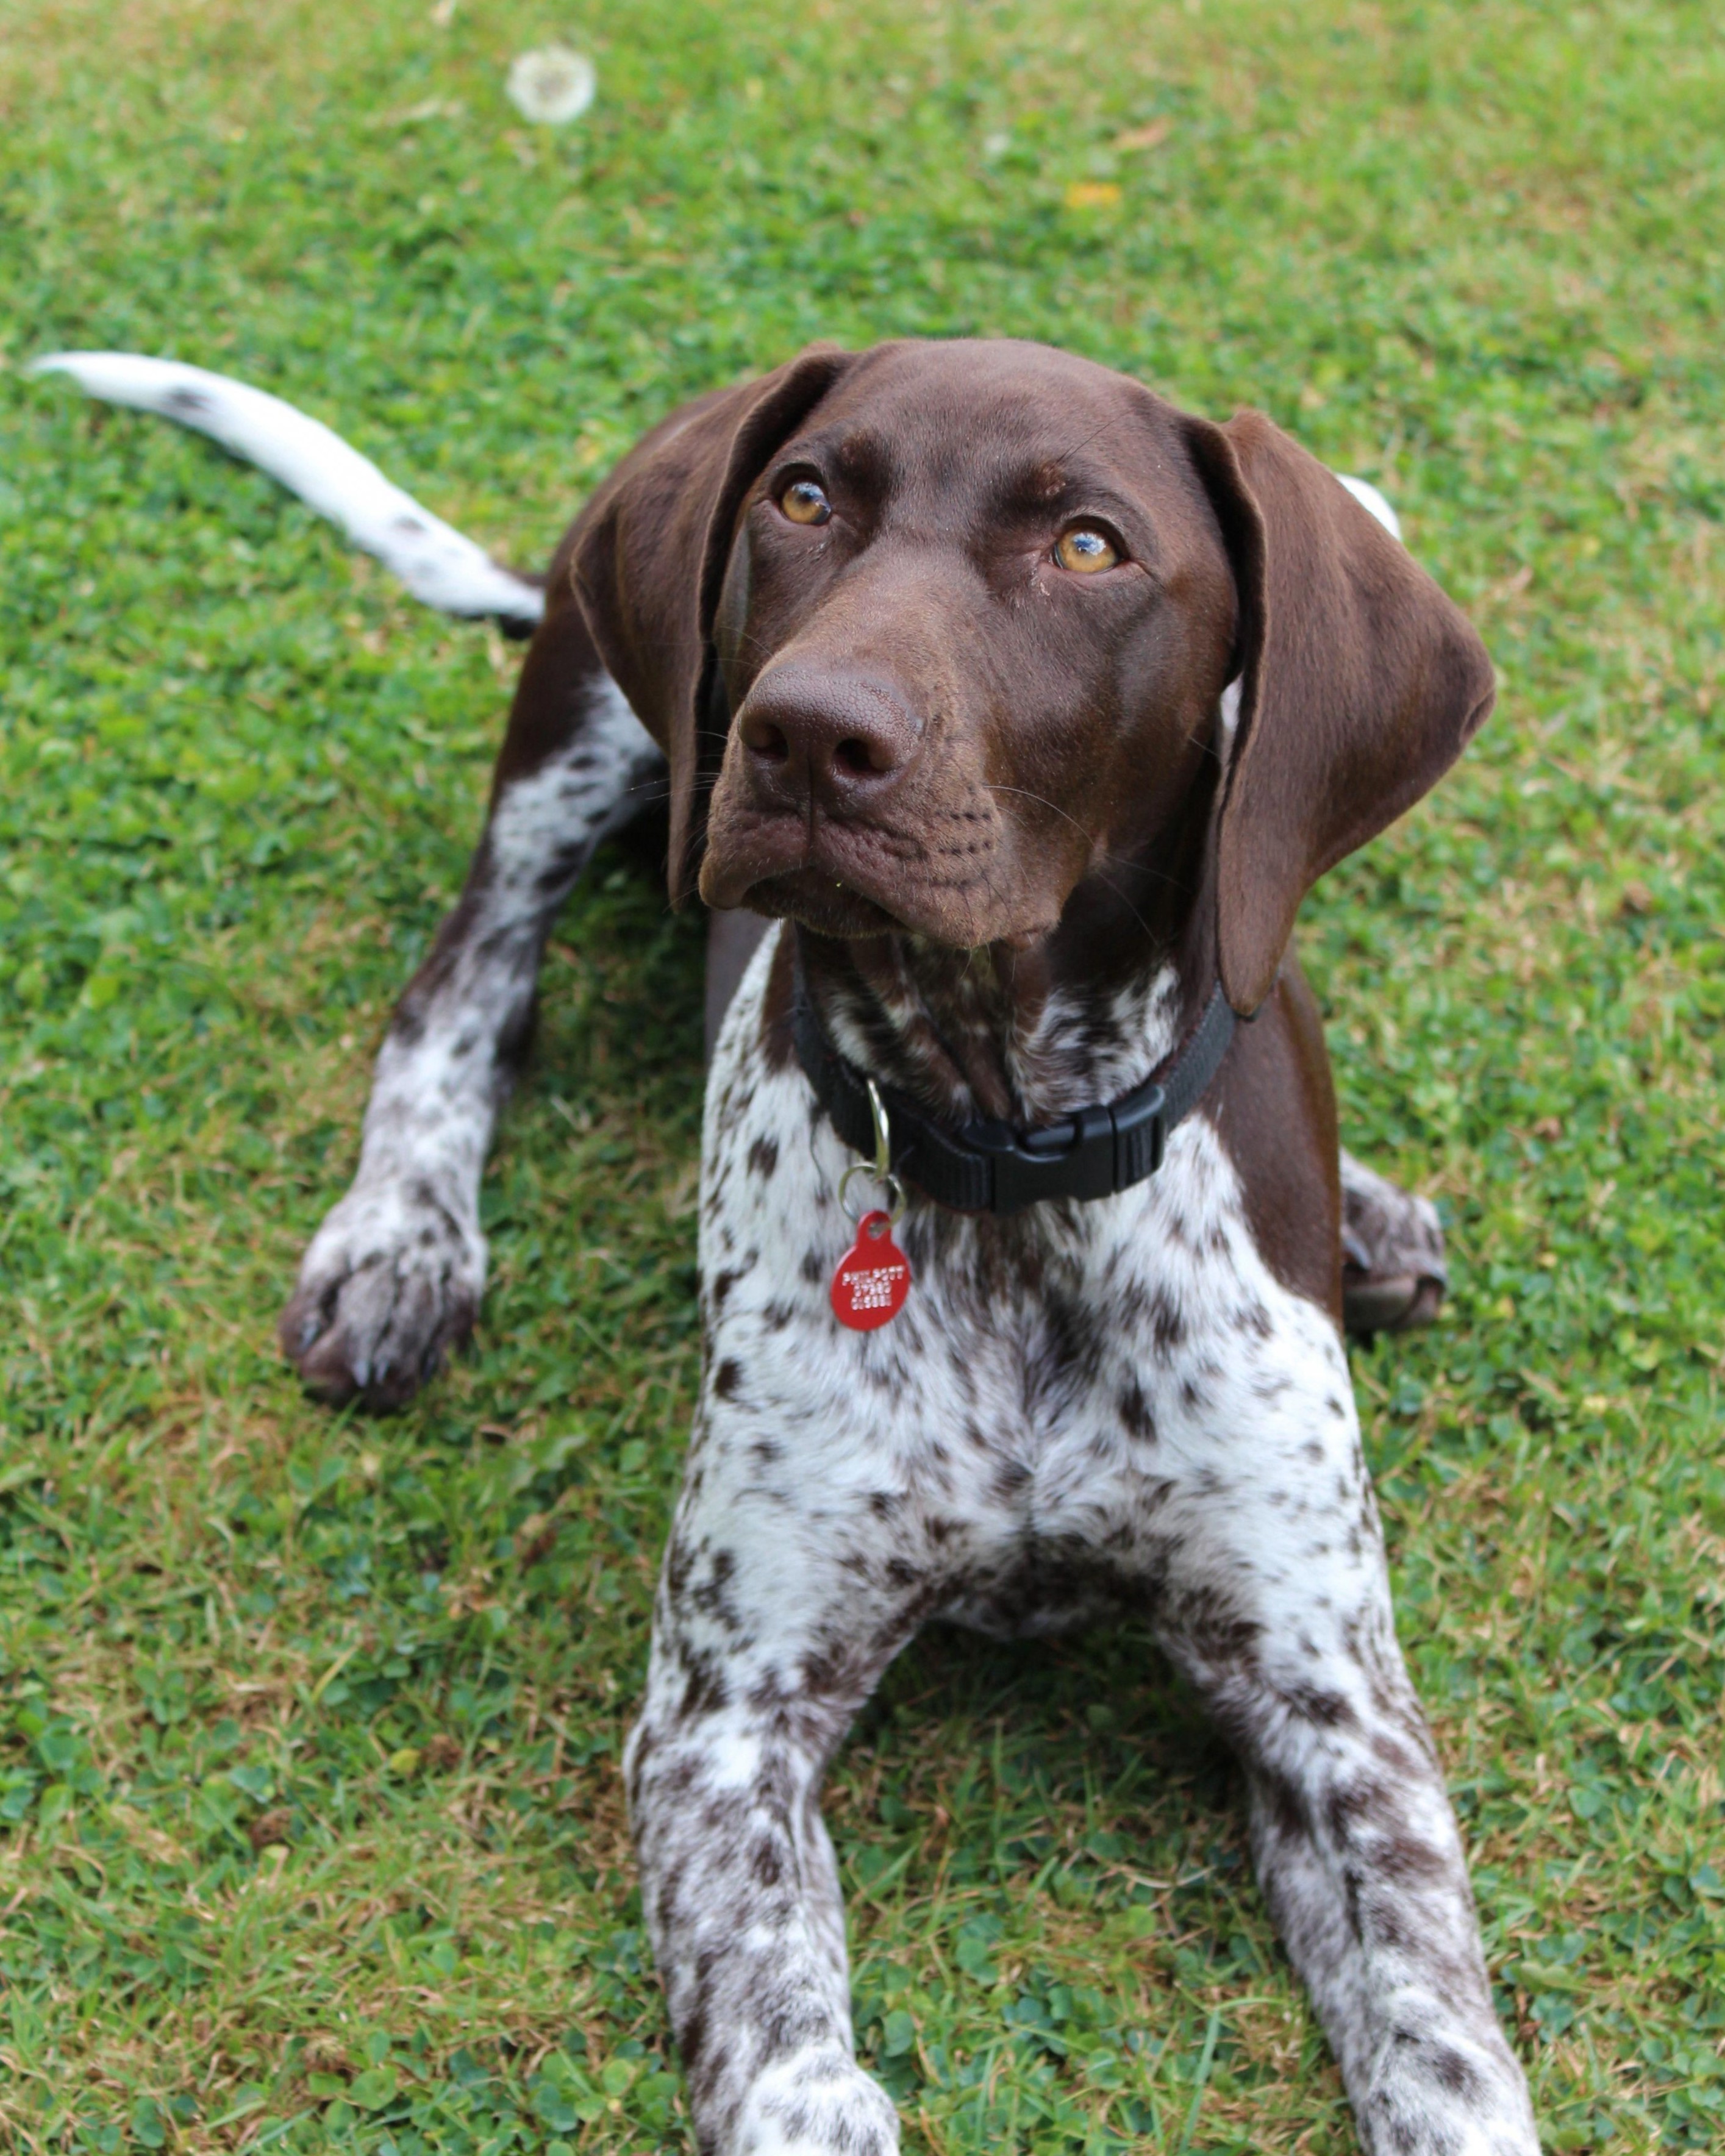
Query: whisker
(1104, 858)
(1043, 801)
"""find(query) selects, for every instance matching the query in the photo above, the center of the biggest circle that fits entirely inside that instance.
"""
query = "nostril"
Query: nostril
(826, 733)
(767, 741)
(858, 758)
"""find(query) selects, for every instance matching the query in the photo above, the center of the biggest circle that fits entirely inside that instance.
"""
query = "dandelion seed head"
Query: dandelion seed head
(552, 84)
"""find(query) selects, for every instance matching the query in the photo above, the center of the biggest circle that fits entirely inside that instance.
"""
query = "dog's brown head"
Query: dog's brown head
(970, 607)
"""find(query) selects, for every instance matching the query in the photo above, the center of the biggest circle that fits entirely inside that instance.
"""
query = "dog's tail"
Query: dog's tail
(435, 562)
(1368, 498)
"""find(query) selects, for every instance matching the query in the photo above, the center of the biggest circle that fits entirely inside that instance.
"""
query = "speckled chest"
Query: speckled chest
(1028, 1436)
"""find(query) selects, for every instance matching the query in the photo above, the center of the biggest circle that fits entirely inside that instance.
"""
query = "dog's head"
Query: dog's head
(935, 635)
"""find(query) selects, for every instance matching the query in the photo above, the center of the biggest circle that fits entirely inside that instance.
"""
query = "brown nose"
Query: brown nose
(835, 737)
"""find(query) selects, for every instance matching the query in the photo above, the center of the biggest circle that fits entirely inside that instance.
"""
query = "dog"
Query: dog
(1026, 708)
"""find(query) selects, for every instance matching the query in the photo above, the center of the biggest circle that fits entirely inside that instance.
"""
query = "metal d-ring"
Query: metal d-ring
(880, 1169)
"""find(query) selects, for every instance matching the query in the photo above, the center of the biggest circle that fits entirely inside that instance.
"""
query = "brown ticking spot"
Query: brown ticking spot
(682, 1776)
(763, 1157)
(778, 1036)
(1284, 1804)
(1410, 1862)
(1401, 1762)
(1390, 1931)
(1451, 2071)
(727, 1378)
(1353, 1802)
(1135, 1413)
(707, 1692)
(1329, 1710)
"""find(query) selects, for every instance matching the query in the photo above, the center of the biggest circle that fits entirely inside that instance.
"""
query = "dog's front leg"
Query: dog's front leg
(765, 1642)
(1277, 1604)
(393, 1275)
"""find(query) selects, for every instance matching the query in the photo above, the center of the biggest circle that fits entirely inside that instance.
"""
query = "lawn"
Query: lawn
(309, 1724)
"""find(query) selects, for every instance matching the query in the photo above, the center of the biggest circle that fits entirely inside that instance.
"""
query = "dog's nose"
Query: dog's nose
(835, 737)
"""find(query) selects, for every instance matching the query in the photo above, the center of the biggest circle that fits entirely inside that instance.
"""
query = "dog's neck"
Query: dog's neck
(1028, 1036)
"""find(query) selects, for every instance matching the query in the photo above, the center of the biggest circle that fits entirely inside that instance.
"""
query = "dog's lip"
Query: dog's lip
(835, 881)
(786, 852)
(735, 863)
(820, 902)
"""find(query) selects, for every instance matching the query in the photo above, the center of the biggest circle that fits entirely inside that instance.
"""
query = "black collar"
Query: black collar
(988, 1166)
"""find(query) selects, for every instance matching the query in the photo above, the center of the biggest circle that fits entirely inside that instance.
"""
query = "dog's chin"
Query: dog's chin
(847, 890)
(820, 903)
(771, 869)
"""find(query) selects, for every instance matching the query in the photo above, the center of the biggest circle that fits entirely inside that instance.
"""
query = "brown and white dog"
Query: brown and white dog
(1030, 706)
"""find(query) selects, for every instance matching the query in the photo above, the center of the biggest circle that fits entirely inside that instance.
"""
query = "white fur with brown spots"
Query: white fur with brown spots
(1133, 1413)
(394, 1274)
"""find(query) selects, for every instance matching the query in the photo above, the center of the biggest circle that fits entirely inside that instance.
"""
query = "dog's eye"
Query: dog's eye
(805, 502)
(1085, 549)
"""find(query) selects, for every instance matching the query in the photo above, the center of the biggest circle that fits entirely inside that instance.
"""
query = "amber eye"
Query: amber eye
(805, 502)
(1085, 549)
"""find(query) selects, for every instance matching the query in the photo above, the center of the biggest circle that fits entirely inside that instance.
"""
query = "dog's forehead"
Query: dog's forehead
(999, 413)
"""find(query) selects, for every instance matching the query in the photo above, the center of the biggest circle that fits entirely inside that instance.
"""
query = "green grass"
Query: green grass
(309, 1726)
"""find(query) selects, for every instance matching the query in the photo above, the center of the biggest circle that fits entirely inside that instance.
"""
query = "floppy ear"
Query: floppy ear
(1363, 683)
(649, 558)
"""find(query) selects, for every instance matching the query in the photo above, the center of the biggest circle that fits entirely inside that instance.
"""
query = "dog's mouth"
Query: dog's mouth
(821, 902)
(835, 878)
(853, 880)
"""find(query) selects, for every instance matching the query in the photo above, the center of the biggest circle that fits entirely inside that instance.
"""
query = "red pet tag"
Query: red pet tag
(873, 1278)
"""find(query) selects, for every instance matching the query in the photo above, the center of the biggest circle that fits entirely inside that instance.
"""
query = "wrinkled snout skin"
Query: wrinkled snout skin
(935, 726)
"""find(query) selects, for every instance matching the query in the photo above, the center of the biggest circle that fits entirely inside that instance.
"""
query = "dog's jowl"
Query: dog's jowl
(1027, 707)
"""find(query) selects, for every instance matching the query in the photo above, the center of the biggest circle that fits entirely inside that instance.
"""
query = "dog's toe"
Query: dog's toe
(1393, 1273)
(1387, 1302)
(817, 2103)
(385, 1289)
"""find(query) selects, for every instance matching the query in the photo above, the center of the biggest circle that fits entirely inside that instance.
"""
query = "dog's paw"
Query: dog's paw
(1393, 1273)
(390, 1281)
(819, 2102)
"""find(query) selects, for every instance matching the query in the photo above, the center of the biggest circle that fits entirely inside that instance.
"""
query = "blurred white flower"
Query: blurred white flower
(552, 86)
